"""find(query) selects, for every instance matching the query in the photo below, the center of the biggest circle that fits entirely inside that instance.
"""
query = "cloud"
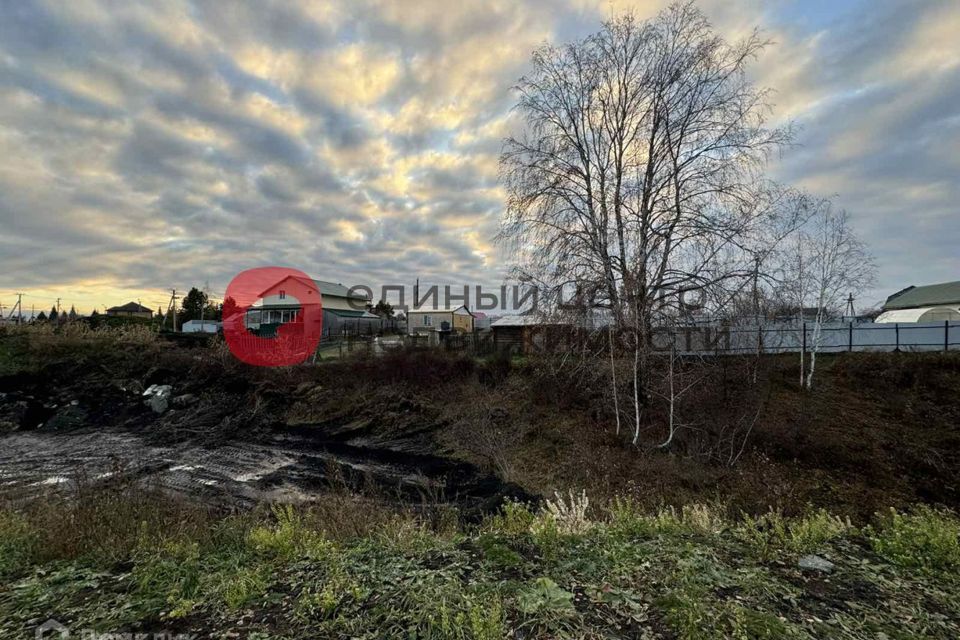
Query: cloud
(145, 146)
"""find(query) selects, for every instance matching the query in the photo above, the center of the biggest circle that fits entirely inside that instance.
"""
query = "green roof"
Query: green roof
(927, 296)
(337, 289)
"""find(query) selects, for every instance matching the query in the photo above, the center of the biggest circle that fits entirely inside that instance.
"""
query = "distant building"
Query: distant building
(929, 303)
(424, 320)
(524, 334)
(343, 310)
(481, 321)
(200, 326)
(130, 310)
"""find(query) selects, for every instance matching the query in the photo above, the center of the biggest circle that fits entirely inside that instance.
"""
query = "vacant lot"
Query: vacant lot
(410, 474)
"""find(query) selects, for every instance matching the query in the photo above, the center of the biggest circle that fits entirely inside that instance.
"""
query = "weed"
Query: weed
(514, 518)
(544, 596)
(239, 587)
(407, 534)
(693, 611)
(926, 538)
(568, 517)
(629, 519)
(290, 537)
(18, 543)
(673, 572)
(169, 576)
(771, 532)
(497, 553)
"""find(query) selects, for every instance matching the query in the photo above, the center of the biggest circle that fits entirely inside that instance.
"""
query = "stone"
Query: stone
(815, 563)
(158, 397)
(69, 417)
(13, 415)
(184, 400)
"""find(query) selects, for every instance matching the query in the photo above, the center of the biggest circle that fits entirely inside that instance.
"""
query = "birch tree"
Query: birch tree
(639, 173)
(829, 262)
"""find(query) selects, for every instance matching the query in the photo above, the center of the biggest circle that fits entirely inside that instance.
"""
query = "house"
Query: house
(344, 311)
(481, 321)
(929, 303)
(425, 320)
(130, 310)
(523, 334)
(200, 326)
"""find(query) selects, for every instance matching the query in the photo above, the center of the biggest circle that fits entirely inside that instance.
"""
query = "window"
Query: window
(427, 321)
(283, 294)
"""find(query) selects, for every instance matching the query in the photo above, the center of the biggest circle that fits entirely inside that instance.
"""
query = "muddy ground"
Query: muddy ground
(879, 430)
(235, 437)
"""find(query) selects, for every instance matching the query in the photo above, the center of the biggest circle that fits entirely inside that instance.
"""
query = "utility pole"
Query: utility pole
(203, 302)
(58, 307)
(172, 308)
(16, 308)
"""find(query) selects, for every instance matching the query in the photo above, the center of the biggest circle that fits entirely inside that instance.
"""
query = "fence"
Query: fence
(834, 338)
(695, 340)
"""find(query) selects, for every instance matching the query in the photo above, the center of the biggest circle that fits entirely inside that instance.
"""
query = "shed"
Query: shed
(523, 334)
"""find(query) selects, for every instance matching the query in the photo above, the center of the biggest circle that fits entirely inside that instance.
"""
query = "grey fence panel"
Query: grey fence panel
(833, 337)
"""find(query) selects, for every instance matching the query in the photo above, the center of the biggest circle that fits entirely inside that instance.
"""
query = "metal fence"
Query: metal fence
(829, 338)
(702, 340)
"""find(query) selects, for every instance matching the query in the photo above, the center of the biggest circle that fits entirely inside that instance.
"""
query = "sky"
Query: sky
(156, 145)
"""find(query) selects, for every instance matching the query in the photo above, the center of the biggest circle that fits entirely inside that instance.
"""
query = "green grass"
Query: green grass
(927, 539)
(621, 572)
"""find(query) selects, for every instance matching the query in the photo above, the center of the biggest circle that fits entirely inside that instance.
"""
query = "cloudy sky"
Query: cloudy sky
(145, 146)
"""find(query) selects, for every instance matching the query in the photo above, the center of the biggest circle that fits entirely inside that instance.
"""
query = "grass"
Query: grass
(927, 538)
(570, 570)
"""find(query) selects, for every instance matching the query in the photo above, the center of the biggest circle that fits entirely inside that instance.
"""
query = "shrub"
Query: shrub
(514, 518)
(927, 538)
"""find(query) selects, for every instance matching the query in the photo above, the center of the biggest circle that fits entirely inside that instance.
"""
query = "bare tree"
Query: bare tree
(639, 174)
(827, 261)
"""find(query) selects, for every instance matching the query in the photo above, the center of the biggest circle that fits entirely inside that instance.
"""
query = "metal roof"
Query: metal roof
(439, 309)
(344, 313)
(337, 289)
(926, 296)
(526, 321)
